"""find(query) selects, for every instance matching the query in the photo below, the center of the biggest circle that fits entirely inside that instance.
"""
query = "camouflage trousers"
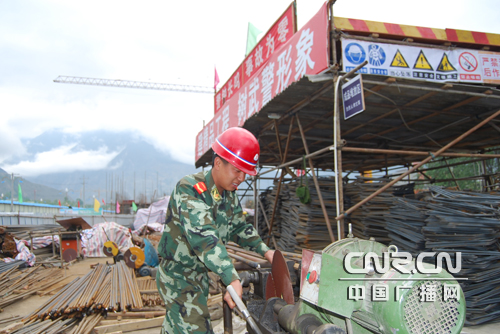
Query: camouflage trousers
(185, 298)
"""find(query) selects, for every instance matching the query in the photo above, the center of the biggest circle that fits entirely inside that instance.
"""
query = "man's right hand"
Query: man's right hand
(236, 284)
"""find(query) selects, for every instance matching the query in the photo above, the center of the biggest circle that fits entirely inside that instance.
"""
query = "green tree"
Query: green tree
(463, 173)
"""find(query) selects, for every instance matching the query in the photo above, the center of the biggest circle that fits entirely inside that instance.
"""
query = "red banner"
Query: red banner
(305, 53)
(281, 32)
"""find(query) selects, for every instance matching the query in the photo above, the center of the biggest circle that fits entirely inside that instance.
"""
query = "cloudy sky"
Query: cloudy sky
(166, 41)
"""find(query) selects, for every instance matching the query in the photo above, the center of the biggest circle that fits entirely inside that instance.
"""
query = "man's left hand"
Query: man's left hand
(269, 255)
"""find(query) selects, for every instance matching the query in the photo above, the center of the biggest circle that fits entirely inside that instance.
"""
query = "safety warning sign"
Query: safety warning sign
(445, 70)
(445, 65)
(468, 62)
(399, 60)
(422, 63)
(431, 64)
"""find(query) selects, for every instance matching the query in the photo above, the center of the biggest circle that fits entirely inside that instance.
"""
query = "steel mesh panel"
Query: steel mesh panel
(437, 317)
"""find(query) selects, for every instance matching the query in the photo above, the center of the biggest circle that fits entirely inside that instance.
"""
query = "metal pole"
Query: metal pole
(281, 179)
(337, 156)
(255, 206)
(422, 153)
(278, 140)
(438, 153)
(267, 222)
(228, 317)
(451, 173)
(316, 184)
(431, 89)
(12, 193)
(321, 151)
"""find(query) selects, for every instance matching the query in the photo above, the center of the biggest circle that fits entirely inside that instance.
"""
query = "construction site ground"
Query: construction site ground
(81, 267)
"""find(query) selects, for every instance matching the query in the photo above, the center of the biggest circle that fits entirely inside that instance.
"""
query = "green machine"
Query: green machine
(362, 286)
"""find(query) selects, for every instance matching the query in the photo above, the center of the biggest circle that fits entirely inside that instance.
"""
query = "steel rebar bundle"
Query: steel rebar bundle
(47, 327)
(16, 284)
(469, 223)
(104, 288)
(298, 225)
(5, 266)
(451, 221)
(370, 219)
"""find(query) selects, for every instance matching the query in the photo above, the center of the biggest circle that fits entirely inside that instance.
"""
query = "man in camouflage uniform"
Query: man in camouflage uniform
(204, 213)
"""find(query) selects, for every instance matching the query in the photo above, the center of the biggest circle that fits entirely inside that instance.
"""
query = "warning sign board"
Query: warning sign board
(468, 62)
(430, 64)
(445, 65)
(399, 60)
(422, 63)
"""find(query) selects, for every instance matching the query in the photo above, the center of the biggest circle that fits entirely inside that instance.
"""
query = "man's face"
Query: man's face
(230, 177)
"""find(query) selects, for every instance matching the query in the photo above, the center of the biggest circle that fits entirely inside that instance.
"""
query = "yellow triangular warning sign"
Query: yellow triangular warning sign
(445, 65)
(422, 63)
(399, 60)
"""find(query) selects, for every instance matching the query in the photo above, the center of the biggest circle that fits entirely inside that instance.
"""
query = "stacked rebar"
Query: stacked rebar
(370, 220)
(146, 283)
(5, 266)
(16, 284)
(298, 225)
(22, 232)
(404, 224)
(451, 221)
(47, 327)
(87, 324)
(268, 198)
(469, 223)
(105, 288)
(149, 291)
(153, 299)
(124, 290)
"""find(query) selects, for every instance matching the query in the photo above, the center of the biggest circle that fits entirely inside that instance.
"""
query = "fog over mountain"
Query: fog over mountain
(103, 164)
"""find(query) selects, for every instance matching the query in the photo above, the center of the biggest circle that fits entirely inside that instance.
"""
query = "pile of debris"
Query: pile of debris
(7, 243)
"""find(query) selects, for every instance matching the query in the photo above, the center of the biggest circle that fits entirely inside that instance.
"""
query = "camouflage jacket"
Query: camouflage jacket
(199, 222)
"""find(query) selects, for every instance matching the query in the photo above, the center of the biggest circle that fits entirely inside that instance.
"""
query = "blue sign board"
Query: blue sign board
(353, 97)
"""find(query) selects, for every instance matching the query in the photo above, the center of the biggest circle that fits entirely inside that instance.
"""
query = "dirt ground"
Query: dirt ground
(80, 268)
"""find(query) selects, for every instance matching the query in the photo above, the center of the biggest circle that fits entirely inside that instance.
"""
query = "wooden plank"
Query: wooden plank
(131, 326)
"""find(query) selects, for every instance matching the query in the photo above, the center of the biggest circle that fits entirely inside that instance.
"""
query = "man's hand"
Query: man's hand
(269, 256)
(236, 284)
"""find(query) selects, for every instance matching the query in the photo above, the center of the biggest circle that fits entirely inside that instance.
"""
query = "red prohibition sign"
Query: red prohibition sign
(468, 62)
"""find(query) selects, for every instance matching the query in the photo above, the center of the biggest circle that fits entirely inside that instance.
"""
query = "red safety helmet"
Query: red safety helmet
(240, 148)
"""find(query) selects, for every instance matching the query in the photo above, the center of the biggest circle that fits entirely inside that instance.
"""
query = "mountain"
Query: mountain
(102, 164)
(29, 189)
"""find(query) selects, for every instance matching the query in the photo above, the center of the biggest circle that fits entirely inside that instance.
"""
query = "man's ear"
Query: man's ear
(217, 163)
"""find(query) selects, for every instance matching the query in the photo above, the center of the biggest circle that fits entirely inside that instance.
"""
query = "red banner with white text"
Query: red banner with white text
(281, 32)
(305, 53)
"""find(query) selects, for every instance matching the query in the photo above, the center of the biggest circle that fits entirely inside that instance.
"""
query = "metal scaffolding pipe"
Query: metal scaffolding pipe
(316, 184)
(419, 153)
(431, 89)
(411, 170)
(311, 155)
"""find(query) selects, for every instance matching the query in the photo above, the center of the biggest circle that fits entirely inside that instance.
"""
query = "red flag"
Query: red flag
(78, 203)
(117, 207)
(59, 202)
(103, 202)
(216, 80)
